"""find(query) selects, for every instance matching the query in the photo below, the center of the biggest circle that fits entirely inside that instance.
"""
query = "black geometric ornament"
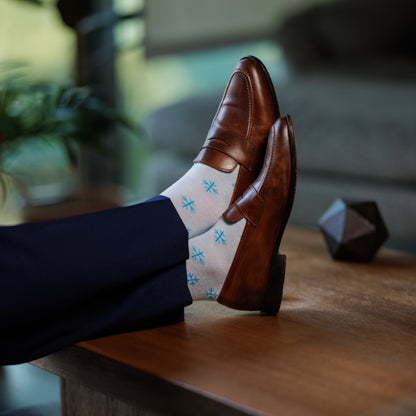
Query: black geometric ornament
(353, 231)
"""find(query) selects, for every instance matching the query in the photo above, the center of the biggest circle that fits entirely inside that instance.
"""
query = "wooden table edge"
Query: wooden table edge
(136, 387)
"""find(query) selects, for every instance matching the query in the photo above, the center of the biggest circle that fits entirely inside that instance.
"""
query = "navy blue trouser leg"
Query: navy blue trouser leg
(91, 275)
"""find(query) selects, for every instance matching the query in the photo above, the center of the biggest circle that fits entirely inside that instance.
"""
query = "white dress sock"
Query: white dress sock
(210, 257)
(201, 196)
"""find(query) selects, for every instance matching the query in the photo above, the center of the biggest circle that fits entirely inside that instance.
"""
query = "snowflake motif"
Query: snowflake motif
(193, 279)
(210, 187)
(219, 236)
(188, 229)
(188, 204)
(198, 255)
(211, 293)
(233, 185)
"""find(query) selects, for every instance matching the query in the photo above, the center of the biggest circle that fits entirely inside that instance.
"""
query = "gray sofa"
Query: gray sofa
(352, 96)
(356, 139)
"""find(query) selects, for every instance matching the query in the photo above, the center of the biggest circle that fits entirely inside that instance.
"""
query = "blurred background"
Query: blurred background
(106, 102)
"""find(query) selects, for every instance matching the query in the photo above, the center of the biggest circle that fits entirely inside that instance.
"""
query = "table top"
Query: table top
(344, 342)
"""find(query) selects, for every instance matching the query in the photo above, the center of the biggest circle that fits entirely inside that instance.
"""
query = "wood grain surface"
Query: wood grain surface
(344, 342)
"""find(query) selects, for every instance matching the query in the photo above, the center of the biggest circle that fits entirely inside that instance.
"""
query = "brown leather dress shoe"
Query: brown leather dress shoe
(238, 134)
(256, 276)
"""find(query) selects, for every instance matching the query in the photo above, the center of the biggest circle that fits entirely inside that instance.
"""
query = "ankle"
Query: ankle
(210, 257)
(201, 196)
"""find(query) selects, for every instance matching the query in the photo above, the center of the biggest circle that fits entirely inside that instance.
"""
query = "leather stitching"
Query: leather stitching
(241, 203)
(249, 91)
(227, 131)
(272, 159)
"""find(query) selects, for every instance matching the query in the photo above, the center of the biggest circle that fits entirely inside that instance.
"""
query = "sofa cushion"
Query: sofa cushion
(344, 126)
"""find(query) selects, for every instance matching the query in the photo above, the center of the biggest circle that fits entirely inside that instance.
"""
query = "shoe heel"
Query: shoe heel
(274, 291)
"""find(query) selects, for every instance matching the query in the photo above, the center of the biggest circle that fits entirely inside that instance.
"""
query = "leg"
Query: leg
(95, 274)
(125, 269)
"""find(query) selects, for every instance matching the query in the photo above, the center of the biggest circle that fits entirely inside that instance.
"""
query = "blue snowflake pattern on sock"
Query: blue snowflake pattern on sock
(188, 204)
(211, 293)
(210, 187)
(219, 236)
(233, 185)
(188, 229)
(193, 279)
(198, 255)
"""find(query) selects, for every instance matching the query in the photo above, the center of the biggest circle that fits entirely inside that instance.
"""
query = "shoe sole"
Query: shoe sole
(274, 292)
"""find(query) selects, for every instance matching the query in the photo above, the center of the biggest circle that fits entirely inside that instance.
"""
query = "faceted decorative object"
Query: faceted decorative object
(353, 231)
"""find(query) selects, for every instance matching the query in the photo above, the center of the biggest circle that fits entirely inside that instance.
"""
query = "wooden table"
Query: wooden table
(344, 343)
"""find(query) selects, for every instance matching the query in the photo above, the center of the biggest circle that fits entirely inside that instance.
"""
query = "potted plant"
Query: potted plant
(45, 112)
